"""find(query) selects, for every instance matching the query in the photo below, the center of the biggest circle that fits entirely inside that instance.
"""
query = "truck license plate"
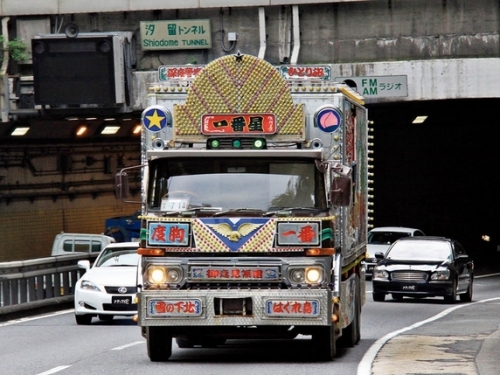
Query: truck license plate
(292, 308)
(119, 300)
(175, 307)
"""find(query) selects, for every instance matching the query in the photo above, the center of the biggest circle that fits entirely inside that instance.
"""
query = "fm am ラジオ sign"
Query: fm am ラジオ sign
(377, 86)
(176, 34)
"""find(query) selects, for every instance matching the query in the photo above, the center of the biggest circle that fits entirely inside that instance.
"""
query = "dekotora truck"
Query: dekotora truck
(254, 206)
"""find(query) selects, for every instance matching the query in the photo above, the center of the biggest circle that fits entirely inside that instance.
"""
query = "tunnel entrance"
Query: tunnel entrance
(440, 176)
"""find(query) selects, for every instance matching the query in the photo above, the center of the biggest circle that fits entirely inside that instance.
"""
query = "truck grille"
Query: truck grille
(409, 276)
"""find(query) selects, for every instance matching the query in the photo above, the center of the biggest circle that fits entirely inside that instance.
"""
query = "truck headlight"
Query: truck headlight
(164, 275)
(306, 275)
(440, 275)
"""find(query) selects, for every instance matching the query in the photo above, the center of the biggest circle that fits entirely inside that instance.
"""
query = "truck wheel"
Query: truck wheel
(378, 297)
(352, 333)
(324, 344)
(159, 342)
(83, 319)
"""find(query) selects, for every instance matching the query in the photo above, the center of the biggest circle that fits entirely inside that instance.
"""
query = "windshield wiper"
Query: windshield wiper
(288, 211)
(236, 210)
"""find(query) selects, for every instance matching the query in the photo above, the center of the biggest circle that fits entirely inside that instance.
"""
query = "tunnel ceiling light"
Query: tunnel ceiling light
(20, 131)
(137, 129)
(81, 131)
(110, 129)
(419, 119)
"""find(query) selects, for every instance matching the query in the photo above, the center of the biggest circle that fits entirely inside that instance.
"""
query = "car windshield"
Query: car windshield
(386, 238)
(420, 250)
(234, 183)
(113, 257)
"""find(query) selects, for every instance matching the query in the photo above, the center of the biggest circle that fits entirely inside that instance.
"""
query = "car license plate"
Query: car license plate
(409, 288)
(292, 308)
(119, 300)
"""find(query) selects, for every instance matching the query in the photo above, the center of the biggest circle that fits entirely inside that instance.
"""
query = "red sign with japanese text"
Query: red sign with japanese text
(257, 123)
(175, 307)
(293, 308)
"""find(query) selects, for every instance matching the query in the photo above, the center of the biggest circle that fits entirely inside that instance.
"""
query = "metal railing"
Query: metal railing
(38, 283)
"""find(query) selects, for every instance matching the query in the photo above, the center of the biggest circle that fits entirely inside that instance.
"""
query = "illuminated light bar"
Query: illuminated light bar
(320, 251)
(236, 143)
(150, 252)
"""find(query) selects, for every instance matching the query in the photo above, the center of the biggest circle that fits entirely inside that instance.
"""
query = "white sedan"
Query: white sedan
(109, 287)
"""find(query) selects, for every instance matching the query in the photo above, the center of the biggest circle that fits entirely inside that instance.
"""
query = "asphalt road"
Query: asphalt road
(398, 337)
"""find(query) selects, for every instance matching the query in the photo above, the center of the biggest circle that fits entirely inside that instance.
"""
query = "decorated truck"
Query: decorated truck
(254, 207)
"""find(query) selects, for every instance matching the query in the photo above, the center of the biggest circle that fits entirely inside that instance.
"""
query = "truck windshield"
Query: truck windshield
(236, 183)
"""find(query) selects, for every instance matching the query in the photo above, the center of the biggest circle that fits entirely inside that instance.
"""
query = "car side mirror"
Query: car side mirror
(340, 194)
(379, 255)
(85, 264)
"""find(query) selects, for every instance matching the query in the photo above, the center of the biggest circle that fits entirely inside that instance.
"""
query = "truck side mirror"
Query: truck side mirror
(121, 185)
(340, 193)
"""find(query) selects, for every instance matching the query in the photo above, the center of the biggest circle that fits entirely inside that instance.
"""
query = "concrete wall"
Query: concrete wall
(330, 32)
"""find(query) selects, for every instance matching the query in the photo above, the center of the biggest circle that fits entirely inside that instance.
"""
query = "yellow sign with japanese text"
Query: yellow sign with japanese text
(175, 34)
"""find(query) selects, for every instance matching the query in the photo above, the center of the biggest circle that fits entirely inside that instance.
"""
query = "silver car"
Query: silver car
(379, 240)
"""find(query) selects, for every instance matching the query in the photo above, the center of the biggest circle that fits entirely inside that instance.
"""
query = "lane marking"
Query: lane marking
(128, 345)
(28, 319)
(365, 366)
(54, 370)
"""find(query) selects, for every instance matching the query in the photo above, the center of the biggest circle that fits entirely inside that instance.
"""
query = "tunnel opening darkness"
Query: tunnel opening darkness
(440, 176)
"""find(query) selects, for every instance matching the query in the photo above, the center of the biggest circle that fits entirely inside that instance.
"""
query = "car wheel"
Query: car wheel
(378, 297)
(106, 317)
(159, 343)
(467, 297)
(83, 319)
(453, 296)
(324, 344)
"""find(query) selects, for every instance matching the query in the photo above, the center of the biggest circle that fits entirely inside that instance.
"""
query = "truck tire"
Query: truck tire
(352, 333)
(324, 343)
(159, 342)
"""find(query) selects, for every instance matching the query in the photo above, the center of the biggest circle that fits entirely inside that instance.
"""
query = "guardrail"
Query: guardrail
(39, 284)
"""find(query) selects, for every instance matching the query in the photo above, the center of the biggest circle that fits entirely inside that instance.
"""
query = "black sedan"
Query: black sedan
(424, 267)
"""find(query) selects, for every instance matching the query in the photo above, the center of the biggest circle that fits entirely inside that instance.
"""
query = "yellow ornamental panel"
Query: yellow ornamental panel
(238, 84)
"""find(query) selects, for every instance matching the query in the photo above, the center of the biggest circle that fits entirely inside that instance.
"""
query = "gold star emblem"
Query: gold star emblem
(155, 120)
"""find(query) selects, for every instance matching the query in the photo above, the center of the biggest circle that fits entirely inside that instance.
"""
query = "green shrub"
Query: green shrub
(16, 47)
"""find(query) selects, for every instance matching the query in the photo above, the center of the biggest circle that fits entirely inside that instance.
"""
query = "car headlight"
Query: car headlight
(306, 275)
(440, 275)
(89, 285)
(380, 274)
(164, 275)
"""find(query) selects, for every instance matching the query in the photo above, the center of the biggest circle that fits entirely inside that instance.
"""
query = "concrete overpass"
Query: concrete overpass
(439, 175)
